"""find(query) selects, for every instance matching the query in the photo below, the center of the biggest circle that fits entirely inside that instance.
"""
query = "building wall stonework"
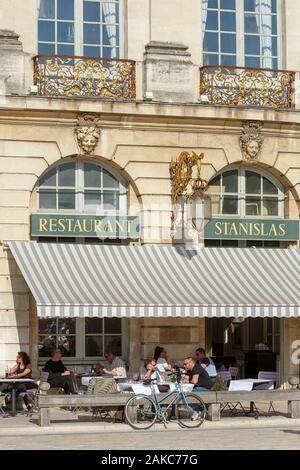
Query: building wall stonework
(141, 149)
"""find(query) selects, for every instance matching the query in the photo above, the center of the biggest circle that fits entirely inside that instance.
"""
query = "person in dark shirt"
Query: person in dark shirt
(59, 375)
(197, 375)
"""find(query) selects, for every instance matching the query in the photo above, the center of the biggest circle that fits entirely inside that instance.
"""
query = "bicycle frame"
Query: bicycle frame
(178, 392)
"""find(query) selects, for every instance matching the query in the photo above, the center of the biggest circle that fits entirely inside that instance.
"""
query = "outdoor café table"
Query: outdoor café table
(85, 380)
(251, 384)
(14, 382)
(139, 387)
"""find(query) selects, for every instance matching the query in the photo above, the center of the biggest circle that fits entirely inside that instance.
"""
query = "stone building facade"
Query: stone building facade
(136, 138)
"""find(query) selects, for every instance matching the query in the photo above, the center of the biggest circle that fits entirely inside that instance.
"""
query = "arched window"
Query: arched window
(245, 192)
(81, 186)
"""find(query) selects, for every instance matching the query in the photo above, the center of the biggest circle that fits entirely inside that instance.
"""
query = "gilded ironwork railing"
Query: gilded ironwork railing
(247, 87)
(84, 76)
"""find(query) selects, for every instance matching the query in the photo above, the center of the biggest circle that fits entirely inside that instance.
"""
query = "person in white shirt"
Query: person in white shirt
(116, 366)
(161, 357)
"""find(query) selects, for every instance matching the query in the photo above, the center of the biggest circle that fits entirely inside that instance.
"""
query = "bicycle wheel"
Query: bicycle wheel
(140, 412)
(190, 411)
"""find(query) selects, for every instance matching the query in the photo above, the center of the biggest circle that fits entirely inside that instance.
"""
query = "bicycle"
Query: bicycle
(142, 411)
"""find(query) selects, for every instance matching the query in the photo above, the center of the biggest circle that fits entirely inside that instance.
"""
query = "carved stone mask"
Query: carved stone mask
(251, 140)
(87, 133)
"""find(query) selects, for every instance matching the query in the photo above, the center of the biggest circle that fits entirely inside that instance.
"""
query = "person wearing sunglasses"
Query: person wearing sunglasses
(115, 367)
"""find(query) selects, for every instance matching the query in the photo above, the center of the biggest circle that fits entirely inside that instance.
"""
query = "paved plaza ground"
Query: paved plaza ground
(79, 431)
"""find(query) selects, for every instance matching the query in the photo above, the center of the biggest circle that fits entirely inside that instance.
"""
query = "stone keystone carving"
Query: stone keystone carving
(251, 140)
(87, 132)
(187, 184)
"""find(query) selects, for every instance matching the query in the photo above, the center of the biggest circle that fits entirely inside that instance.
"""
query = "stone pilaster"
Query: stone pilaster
(168, 72)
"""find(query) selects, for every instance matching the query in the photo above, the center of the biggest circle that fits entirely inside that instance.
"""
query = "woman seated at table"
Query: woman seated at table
(22, 370)
(161, 358)
(148, 370)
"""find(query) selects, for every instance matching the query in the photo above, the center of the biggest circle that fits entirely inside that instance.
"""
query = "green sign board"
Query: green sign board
(252, 229)
(102, 226)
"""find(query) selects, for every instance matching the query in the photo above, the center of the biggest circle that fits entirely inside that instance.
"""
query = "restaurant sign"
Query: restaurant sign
(252, 229)
(103, 226)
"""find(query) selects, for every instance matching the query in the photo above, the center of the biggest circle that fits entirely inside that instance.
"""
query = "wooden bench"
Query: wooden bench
(213, 401)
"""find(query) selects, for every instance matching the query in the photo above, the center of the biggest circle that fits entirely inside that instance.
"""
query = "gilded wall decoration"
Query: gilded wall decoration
(87, 133)
(251, 140)
(187, 184)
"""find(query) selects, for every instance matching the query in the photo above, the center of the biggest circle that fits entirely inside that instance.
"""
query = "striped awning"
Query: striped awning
(69, 280)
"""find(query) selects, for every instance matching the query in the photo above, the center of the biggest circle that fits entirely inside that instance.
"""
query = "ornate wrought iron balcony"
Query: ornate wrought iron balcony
(240, 86)
(84, 76)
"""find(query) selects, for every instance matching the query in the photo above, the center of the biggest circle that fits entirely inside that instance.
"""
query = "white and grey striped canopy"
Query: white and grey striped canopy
(69, 280)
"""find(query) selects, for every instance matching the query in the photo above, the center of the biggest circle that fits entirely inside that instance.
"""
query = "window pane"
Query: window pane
(112, 325)
(65, 9)
(49, 178)
(230, 243)
(67, 326)
(212, 20)
(210, 42)
(110, 13)
(65, 32)
(228, 21)
(249, 5)
(230, 182)
(66, 174)
(46, 31)
(110, 201)
(228, 43)
(274, 6)
(252, 62)
(91, 34)
(253, 183)
(110, 52)
(253, 206)
(48, 326)
(46, 345)
(94, 325)
(92, 200)
(211, 3)
(94, 346)
(47, 9)
(66, 199)
(210, 59)
(274, 24)
(91, 11)
(230, 205)
(252, 45)
(91, 51)
(228, 60)
(92, 176)
(113, 343)
(47, 199)
(215, 205)
(67, 344)
(109, 181)
(64, 49)
(270, 207)
(252, 24)
(256, 243)
(268, 187)
(110, 35)
(46, 48)
(215, 185)
(227, 4)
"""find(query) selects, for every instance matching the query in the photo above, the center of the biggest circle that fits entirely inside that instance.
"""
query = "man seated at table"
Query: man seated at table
(196, 375)
(59, 375)
(116, 366)
(206, 362)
